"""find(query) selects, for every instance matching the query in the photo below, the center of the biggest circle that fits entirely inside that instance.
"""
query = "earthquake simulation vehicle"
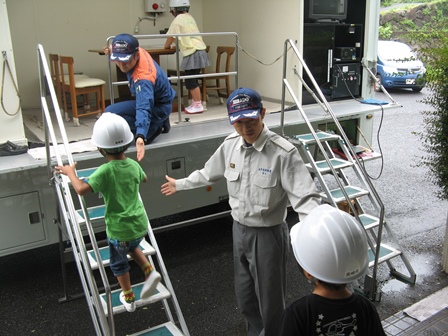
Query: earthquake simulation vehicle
(326, 109)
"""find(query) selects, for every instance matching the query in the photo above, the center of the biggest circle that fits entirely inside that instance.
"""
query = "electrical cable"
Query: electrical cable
(379, 127)
(6, 64)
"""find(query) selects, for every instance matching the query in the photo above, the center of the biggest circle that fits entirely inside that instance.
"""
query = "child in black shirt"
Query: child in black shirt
(331, 249)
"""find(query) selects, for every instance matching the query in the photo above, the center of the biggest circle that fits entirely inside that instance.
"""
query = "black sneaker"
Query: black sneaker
(8, 148)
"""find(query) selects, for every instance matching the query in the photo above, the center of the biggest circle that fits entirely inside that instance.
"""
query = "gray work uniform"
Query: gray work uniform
(261, 179)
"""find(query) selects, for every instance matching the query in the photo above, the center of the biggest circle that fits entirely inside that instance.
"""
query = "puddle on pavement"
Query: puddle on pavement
(423, 264)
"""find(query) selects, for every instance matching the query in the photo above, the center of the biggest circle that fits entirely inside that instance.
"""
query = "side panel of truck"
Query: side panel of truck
(28, 208)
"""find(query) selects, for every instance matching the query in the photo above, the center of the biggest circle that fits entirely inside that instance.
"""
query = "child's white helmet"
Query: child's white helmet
(179, 3)
(112, 133)
(330, 245)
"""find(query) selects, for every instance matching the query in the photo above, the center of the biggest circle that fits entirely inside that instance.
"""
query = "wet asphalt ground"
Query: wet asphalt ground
(199, 258)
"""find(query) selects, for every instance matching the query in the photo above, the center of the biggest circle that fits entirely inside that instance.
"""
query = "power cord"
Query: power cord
(379, 103)
(6, 66)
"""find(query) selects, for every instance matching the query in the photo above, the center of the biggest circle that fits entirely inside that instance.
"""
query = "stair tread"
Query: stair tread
(386, 253)
(160, 294)
(335, 162)
(95, 213)
(146, 248)
(165, 329)
(309, 138)
(338, 196)
(85, 173)
(368, 221)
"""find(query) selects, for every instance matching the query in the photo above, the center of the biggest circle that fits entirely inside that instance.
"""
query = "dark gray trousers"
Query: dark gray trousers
(260, 255)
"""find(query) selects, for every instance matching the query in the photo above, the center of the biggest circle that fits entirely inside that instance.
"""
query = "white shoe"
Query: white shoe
(194, 108)
(130, 307)
(149, 287)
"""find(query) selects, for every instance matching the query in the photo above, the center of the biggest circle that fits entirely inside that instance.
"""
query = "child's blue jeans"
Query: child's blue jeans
(119, 263)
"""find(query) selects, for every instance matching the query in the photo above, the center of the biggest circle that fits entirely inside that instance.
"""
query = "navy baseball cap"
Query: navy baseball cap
(243, 103)
(123, 47)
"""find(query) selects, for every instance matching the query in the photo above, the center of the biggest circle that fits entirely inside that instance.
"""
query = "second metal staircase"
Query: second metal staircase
(338, 170)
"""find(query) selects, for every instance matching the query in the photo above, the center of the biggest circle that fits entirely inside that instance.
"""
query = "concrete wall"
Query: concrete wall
(70, 27)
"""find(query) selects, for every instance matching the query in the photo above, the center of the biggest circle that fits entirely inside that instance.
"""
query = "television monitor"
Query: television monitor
(325, 10)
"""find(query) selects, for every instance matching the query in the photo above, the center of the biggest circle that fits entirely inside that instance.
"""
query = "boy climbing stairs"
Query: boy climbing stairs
(81, 224)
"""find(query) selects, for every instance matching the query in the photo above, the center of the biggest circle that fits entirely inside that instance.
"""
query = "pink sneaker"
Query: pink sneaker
(194, 108)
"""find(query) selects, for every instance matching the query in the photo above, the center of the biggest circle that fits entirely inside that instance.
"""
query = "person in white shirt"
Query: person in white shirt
(263, 171)
(193, 50)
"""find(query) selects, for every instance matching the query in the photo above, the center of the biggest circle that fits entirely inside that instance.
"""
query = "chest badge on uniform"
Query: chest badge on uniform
(232, 165)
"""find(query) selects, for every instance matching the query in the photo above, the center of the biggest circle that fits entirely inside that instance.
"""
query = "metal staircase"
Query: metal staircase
(80, 224)
(339, 173)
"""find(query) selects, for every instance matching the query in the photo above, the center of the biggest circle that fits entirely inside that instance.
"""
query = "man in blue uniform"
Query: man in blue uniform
(147, 115)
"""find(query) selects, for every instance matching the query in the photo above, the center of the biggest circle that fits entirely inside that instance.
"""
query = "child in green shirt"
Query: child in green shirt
(118, 181)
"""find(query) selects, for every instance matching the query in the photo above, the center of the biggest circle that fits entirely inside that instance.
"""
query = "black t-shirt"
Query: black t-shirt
(314, 315)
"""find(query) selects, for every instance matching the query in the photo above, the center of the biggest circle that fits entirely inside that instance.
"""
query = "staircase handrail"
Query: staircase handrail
(44, 74)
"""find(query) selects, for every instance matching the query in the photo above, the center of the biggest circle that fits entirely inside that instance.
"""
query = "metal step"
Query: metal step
(386, 253)
(338, 196)
(95, 213)
(85, 173)
(308, 139)
(165, 329)
(369, 221)
(160, 294)
(324, 168)
(146, 248)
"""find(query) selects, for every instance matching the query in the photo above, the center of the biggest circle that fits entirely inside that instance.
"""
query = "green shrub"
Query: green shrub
(385, 31)
(435, 134)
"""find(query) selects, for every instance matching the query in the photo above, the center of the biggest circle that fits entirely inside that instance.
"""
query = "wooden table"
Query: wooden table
(123, 90)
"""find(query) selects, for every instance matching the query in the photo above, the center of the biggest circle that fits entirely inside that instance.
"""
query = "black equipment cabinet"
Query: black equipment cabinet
(333, 53)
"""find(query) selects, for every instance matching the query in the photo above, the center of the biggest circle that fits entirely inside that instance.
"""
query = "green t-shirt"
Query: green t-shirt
(119, 181)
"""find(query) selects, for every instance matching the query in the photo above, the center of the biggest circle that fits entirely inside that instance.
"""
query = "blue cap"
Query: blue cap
(123, 47)
(243, 103)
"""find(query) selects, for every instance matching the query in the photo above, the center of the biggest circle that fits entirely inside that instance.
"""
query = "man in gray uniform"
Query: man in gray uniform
(263, 172)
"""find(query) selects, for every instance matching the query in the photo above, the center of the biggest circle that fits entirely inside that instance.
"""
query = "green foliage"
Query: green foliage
(435, 134)
(385, 31)
(387, 3)
(426, 11)
(436, 11)
(409, 23)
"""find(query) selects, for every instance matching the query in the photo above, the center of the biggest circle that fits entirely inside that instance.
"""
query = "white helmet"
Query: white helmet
(330, 245)
(112, 133)
(179, 3)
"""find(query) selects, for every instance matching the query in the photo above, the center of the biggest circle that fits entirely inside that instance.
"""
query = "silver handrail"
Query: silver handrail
(102, 324)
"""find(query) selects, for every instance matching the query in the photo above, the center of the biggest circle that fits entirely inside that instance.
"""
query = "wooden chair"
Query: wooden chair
(57, 80)
(173, 73)
(76, 86)
(55, 76)
(222, 82)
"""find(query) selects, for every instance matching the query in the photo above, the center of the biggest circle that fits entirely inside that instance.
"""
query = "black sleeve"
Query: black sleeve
(290, 325)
